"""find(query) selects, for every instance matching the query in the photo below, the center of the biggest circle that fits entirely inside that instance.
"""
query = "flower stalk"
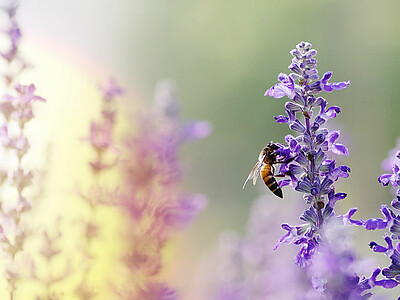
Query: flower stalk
(152, 198)
(16, 108)
(101, 139)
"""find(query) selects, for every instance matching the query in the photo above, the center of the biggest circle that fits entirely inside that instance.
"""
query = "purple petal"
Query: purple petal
(396, 203)
(275, 91)
(333, 136)
(384, 179)
(340, 196)
(347, 218)
(371, 224)
(377, 248)
(339, 85)
(344, 171)
(284, 182)
(288, 237)
(387, 283)
(304, 186)
(332, 111)
(297, 126)
(282, 77)
(325, 185)
(281, 119)
(325, 78)
(340, 149)
(295, 169)
(292, 106)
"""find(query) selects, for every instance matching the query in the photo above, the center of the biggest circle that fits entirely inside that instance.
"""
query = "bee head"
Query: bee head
(272, 146)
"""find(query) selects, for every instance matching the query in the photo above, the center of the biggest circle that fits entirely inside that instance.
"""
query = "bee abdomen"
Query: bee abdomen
(270, 180)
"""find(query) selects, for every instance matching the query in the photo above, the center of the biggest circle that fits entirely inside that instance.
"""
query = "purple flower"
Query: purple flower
(373, 223)
(184, 212)
(11, 53)
(152, 195)
(324, 114)
(314, 174)
(289, 237)
(393, 178)
(27, 94)
(373, 281)
(324, 85)
(335, 147)
(284, 88)
(392, 157)
(335, 266)
(196, 130)
(378, 248)
(309, 171)
(347, 218)
(396, 201)
(393, 271)
(112, 90)
(246, 267)
(392, 223)
(329, 87)
(328, 169)
(16, 108)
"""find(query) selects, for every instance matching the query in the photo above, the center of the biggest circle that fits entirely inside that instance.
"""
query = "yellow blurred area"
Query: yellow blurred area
(60, 153)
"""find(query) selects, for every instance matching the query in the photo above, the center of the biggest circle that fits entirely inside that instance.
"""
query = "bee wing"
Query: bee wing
(254, 173)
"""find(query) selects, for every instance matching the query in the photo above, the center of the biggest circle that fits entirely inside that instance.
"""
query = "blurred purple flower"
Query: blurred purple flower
(246, 267)
(16, 107)
(112, 90)
(393, 178)
(392, 157)
(27, 94)
(196, 130)
(157, 291)
(10, 53)
(152, 195)
(390, 223)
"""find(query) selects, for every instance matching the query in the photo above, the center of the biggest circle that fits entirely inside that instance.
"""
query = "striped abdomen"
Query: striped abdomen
(270, 181)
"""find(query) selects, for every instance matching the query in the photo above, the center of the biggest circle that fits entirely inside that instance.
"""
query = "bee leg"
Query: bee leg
(285, 161)
(277, 175)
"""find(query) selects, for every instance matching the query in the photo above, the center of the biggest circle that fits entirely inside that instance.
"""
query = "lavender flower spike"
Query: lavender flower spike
(309, 169)
(391, 224)
(153, 198)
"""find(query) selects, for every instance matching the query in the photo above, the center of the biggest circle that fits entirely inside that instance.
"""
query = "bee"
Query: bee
(265, 168)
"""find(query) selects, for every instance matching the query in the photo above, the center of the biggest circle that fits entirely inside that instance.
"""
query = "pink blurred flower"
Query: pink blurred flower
(184, 211)
(157, 291)
(152, 197)
(112, 90)
(27, 94)
(22, 179)
(100, 136)
(7, 107)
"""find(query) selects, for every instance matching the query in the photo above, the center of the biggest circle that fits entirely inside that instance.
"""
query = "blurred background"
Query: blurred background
(223, 55)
